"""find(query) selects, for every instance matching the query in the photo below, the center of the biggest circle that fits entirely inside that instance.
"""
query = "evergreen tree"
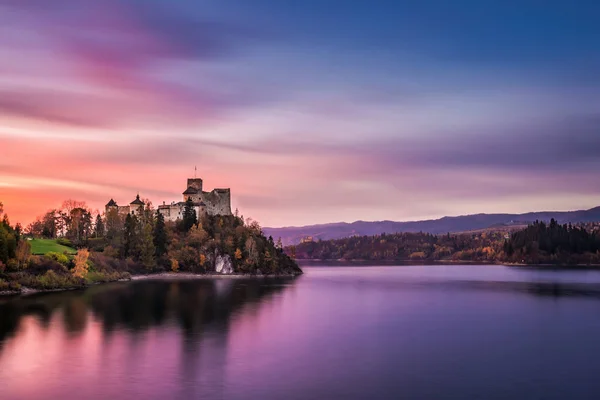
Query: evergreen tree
(130, 235)
(18, 232)
(160, 235)
(146, 249)
(99, 227)
(189, 215)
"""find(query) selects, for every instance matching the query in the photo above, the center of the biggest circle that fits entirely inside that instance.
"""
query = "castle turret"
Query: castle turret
(136, 205)
(111, 205)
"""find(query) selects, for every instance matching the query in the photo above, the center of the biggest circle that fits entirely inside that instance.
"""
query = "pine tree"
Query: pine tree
(99, 227)
(189, 215)
(130, 235)
(160, 235)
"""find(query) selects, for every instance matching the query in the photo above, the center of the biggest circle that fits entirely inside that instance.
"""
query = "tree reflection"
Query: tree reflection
(192, 305)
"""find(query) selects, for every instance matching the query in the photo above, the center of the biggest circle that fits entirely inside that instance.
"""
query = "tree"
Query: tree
(8, 243)
(146, 248)
(114, 225)
(23, 253)
(252, 251)
(160, 235)
(130, 235)
(189, 215)
(238, 254)
(50, 224)
(81, 266)
(79, 225)
(18, 231)
(99, 227)
(197, 236)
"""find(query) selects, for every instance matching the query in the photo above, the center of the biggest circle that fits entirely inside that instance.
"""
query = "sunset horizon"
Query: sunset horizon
(312, 114)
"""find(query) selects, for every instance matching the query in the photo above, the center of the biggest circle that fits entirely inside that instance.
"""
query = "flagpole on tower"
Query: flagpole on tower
(195, 171)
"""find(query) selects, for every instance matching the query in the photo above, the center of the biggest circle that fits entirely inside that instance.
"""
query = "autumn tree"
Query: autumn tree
(23, 253)
(238, 254)
(252, 250)
(197, 236)
(81, 266)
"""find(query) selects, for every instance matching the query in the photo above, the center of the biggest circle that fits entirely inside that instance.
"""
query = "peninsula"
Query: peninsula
(70, 248)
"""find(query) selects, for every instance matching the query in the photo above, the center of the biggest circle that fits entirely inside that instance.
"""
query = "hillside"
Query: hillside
(538, 243)
(45, 246)
(293, 235)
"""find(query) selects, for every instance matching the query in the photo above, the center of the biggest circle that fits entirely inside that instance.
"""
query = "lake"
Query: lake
(414, 332)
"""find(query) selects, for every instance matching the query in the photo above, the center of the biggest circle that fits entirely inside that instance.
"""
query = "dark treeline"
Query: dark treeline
(553, 243)
(539, 243)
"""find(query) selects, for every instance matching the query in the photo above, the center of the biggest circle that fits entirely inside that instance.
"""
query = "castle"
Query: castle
(215, 202)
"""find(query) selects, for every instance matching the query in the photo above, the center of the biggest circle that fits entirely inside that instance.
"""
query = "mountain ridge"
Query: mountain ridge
(335, 230)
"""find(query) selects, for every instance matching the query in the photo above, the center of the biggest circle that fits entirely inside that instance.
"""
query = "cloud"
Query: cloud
(125, 49)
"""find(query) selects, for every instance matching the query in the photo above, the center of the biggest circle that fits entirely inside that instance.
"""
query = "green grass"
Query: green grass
(45, 246)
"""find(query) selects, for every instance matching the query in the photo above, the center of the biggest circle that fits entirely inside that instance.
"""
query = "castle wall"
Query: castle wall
(171, 212)
(218, 202)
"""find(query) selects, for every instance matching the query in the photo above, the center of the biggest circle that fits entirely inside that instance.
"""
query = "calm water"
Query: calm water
(470, 332)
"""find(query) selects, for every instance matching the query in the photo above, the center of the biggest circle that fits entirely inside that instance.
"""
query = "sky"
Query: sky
(311, 111)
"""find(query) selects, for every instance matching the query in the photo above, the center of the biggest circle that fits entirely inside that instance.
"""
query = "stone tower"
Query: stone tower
(195, 183)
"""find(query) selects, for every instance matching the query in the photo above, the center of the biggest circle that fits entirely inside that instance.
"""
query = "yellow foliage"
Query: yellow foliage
(417, 255)
(488, 250)
(81, 266)
(174, 265)
(238, 254)
(202, 259)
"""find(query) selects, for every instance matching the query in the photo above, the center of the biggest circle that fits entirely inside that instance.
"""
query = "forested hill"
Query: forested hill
(294, 235)
(539, 243)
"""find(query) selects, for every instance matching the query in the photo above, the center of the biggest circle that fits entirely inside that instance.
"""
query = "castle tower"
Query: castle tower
(195, 183)
(136, 205)
(112, 205)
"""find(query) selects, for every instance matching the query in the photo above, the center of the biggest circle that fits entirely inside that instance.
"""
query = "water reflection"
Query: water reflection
(334, 333)
(193, 305)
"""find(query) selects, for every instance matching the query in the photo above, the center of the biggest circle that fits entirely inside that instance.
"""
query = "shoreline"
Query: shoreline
(408, 263)
(164, 276)
(174, 276)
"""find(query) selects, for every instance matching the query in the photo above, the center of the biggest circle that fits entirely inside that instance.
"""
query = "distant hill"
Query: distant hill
(293, 235)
